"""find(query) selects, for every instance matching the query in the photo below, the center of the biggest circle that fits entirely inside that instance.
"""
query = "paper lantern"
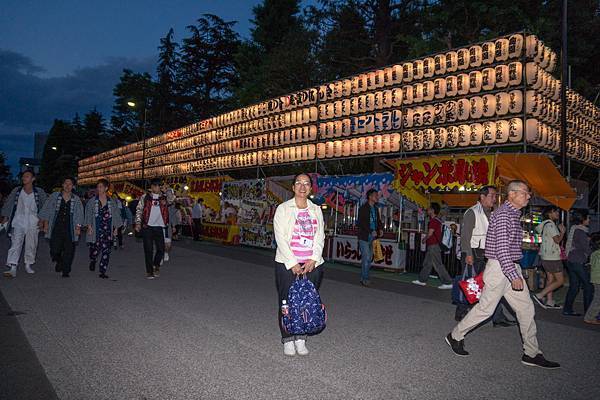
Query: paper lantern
(488, 79)
(312, 132)
(292, 155)
(451, 61)
(476, 110)
(428, 91)
(552, 64)
(428, 139)
(408, 117)
(377, 144)
(387, 122)
(380, 78)
(356, 84)
(428, 67)
(451, 110)
(418, 140)
(463, 59)
(452, 137)
(407, 141)
(475, 54)
(397, 97)
(369, 102)
(545, 58)
(370, 124)
(475, 81)
(368, 145)
(395, 142)
(464, 135)
(515, 101)
(407, 94)
(515, 73)
(501, 131)
(378, 122)
(515, 46)
(532, 73)
(338, 127)
(396, 74)
(515, 130)
(337, 148)
(463, 109)
(353, 146)
(329, 150)
(417, 116)
(488, 50)
(286, 154)
(388, 98)
(371, 80)
(378, 105)
(440, 136)
(428, 115)
(476, 134)
(489, 132)
(501, 50)
(451, 86)
(439, 113)
(488, 105)
(531, 43)
(533, 103)
(417, 92)
(539, 52)
(407, 72)
(462, 84)
(346, 107)
(501, 76)
(439, 61)
(417, 69)
(439, 88)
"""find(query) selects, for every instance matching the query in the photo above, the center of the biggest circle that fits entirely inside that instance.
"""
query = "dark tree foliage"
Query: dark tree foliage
(5, 181)
(166, 108)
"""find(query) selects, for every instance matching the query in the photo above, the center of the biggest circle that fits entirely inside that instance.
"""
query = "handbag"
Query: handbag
(458, 296)
(377, 251)
(472, 288)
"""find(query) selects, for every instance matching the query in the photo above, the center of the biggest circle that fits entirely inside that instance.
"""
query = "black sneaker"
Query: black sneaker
(58, 267)
(103, 276)
(539, 301)
(539, 361)
(92, 265)
(65, 275)
(457, 346)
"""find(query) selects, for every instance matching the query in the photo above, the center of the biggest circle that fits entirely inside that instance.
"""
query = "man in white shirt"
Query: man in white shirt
(21, 211)
(152, 218)
(197, 214)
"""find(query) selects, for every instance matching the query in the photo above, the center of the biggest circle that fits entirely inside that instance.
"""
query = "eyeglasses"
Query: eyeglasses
(302, 183)
(527, 192)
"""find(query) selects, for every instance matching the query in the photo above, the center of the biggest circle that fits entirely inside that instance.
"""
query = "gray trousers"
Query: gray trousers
(433, 259)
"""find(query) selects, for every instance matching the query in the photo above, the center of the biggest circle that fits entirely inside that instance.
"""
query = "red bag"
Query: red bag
(472, 288)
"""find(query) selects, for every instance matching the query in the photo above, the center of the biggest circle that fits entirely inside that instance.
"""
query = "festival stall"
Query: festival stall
(127, 191)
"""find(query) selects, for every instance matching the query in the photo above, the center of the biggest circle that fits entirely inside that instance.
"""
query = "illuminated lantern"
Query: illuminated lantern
(371, 80)
(439, 64)
(476, 111)
(428, 114)
(475, 81)
(462, 84)
(368, 145)
(428, 139)
(370, 102)
(501, 50)
(417, 116)
(397, 74)
(439, 113)
(407, 94)
(552, 63)
(451, 61)
(532, 73)
(515, 101)
(418, 141)
(501, 131)
(501, 76)
(388, 98)
(346, 148)
(354, 105)
(395, 142)
(312, 132)
(346, 87)
(439, 88)
(378, 122)
(377, 144)
(370, 123)
(488, 50)
(515, 73)
(515, 130)
(293, 154)
(329, 150)
(440, 136)
(463, 59)
(488, 79)
(428, 91)
(337, 110)
(453, 136)
(346, 107)
(451, 110)
(407, 72)
(463, 109)
(378, 101)
(539, 53)
(515, 46)
(314, 114)
(388, 76)
(337, 148)
(545, 59)
(407, 141)
(338, 127)
(380, 78)
(417, 92)
(451, 87)
(428, 67)
(489, 132)
(408, 117)
(346, 127)
(417, 69)
(531, 43)
(353, 147)
(286, 154)
(476, 134)
(475, 54)
(397, 97)
(464, 135)
(355, 84)
(385, 143)
(488, 105)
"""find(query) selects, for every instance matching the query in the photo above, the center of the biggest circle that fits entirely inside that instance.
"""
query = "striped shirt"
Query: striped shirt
(303, 236)
(504, 239)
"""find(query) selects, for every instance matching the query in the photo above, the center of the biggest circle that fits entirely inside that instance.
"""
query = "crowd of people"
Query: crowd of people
(490, 244)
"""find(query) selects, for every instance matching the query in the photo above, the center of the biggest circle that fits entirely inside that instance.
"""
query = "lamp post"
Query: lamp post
(132, 104)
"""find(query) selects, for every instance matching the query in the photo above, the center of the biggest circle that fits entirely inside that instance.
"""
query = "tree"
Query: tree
(94, 132)
(5, 181)
(59, 157)
(165, 106)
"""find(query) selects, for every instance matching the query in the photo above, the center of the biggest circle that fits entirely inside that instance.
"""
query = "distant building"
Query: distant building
(30, 163)
(40, 139)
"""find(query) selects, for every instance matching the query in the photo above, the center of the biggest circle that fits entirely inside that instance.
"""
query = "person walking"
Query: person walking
(578, 251)
(503, 278)
(369, 229)
(300, 236)
(472, 243)
(433, 254)
(102, 218)
(552, 235)
(20, 212)
(118, 239)
(593, 311)
(197, 214)
(151, 219)
(63, 218)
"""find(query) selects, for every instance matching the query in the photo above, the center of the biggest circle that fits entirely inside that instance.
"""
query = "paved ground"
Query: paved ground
(206, 329)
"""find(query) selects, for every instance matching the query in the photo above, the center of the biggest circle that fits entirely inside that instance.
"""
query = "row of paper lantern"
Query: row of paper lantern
(582, 106)
(580, 150)
(288, 154)
(119, 151)
(542, 82)
(359, 146)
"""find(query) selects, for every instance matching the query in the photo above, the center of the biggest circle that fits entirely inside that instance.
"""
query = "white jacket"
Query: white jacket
(283, 225)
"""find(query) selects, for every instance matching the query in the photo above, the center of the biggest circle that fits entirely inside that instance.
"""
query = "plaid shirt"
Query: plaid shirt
(504, 239)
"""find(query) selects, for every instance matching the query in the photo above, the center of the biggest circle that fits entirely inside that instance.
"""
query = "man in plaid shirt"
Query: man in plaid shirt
(502, 277)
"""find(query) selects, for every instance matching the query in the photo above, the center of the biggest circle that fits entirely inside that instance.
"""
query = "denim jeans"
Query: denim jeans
(366, 255)
(579, 277)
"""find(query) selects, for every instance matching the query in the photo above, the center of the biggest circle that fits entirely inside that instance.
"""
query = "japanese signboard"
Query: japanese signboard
(345, 248)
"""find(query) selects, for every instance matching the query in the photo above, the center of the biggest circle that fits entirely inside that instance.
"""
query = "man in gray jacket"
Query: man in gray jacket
(21, 211)
(62, 218)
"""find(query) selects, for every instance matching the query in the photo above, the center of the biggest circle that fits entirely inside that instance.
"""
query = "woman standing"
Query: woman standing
(300, 236)
(102, 218)
(578, 250)
(552, 234)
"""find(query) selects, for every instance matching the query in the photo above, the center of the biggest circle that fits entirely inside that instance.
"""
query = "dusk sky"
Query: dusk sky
(62, 57)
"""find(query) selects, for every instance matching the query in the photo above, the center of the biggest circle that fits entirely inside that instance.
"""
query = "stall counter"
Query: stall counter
(344, 248)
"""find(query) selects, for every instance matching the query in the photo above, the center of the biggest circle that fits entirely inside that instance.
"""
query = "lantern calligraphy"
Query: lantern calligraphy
(453, 136)
(417, 69)
(451, 61)
(515, 130)
(464, 135)
(407, 72)
(515, 101)
(439, 64)
(439, 88)
(488, 105)
(475, 54)
(451, 88)
(428, 91)
(476, 134)
(462, 84)
(501, 50)
(407, 141)
(476, 111)
(475, 81)
(395, 142)
(515, 73)
(428, 67)
(463, 109)
(488, 50)
(428, 139)
(463, 59)
(501, 76)
(440, 136)
(418, 140)
(488, 132)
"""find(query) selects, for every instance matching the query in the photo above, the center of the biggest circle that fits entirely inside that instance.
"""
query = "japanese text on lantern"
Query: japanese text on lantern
(445, 172)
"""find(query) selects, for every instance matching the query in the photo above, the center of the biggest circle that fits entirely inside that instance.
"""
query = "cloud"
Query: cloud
(30, 103)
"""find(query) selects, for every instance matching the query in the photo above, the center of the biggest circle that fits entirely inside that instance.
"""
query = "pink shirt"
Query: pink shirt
(303, 236)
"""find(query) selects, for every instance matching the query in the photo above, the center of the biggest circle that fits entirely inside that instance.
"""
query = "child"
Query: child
(591, 316)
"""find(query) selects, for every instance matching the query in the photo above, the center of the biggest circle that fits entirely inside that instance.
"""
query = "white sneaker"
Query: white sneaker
(301, 347)
(289, 349)
(28, 269)
(445, 286)
(166, 257)
(418, 282)
(12, 272)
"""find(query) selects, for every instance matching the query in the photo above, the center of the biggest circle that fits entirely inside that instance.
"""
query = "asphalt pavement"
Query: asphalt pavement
(207, 329)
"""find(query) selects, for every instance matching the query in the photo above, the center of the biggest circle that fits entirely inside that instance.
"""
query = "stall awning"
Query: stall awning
(452, 177)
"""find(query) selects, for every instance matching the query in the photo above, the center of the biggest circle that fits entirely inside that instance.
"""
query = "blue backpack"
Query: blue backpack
(306, 314)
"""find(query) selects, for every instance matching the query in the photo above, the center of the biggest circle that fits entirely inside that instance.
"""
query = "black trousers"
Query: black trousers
(196, 228)
(153, 236)
(62, 250)
(284, 278)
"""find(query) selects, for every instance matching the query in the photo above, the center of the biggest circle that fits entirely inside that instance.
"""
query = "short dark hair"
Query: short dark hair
(436, 208)
(595, 240)
(370, 192)
(103, 181)
(155, 181)
(27, 171)
(485, 190)
(301, 174)
(548, 210)
(200, 200)
(579, 216)
(70, 178)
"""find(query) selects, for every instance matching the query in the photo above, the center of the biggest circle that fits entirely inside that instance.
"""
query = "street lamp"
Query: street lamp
(132, 104)
(54, 148)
